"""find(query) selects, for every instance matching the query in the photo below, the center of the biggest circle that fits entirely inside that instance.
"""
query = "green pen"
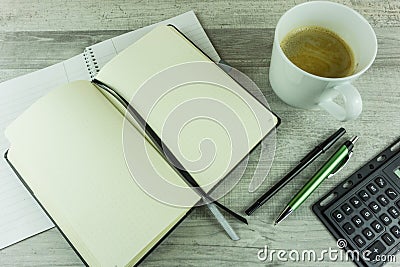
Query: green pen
(330, 168)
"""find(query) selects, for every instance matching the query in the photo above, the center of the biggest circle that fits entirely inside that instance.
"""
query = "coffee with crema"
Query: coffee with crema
(319, 51)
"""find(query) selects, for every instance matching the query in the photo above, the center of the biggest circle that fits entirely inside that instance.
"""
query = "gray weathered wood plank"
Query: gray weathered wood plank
(36, 34)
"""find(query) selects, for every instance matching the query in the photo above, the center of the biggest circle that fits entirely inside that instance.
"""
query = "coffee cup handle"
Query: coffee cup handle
(352, 103)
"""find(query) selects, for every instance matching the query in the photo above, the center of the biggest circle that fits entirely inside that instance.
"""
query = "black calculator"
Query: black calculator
(363, 212)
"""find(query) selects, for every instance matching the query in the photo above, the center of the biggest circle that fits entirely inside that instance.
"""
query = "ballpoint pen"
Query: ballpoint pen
(307, 160)
(330, 168)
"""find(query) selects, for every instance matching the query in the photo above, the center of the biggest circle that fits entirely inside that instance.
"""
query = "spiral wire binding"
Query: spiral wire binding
(91, 62)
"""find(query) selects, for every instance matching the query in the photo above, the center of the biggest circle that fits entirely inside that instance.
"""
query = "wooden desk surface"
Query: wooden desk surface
(36, 34)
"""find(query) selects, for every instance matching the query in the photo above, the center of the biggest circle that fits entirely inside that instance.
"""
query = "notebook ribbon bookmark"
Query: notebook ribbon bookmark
(175, 164)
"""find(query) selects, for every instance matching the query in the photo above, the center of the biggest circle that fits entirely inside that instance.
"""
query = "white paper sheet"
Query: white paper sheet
(187, 23)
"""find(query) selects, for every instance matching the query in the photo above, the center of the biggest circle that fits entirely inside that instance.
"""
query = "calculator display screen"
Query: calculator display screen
(397, 171)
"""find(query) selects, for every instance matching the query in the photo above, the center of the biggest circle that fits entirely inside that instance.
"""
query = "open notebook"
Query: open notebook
(20, 215)
(68, 147)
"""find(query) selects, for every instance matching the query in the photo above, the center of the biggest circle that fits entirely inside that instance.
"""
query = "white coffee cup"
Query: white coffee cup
(301, 89)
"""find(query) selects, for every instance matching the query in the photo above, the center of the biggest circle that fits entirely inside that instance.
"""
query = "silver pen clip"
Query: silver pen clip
(340, 167)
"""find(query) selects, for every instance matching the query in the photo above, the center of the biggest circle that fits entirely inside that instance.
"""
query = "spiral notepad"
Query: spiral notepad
(96, 56)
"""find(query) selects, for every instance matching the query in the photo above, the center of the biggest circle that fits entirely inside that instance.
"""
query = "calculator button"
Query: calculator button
(348, 228)
(374, 207)
(383, 200)
(359, 241)
(395, 231)
(366, 214)
(347, 209)
(394, 212)
(380, 182)
(364, 195)
(391, 193)
(355, 202)
(377, 248)
(385, 219)
(388, 239)
(357, 221)
(377, 226)
(373, 189)
(368, 233)
(338, 215)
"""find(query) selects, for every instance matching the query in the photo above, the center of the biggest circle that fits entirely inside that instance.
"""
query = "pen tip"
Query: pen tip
(286, 212)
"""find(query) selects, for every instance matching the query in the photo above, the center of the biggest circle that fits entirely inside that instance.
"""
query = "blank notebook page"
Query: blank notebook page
(206, 119)
(68, 149)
